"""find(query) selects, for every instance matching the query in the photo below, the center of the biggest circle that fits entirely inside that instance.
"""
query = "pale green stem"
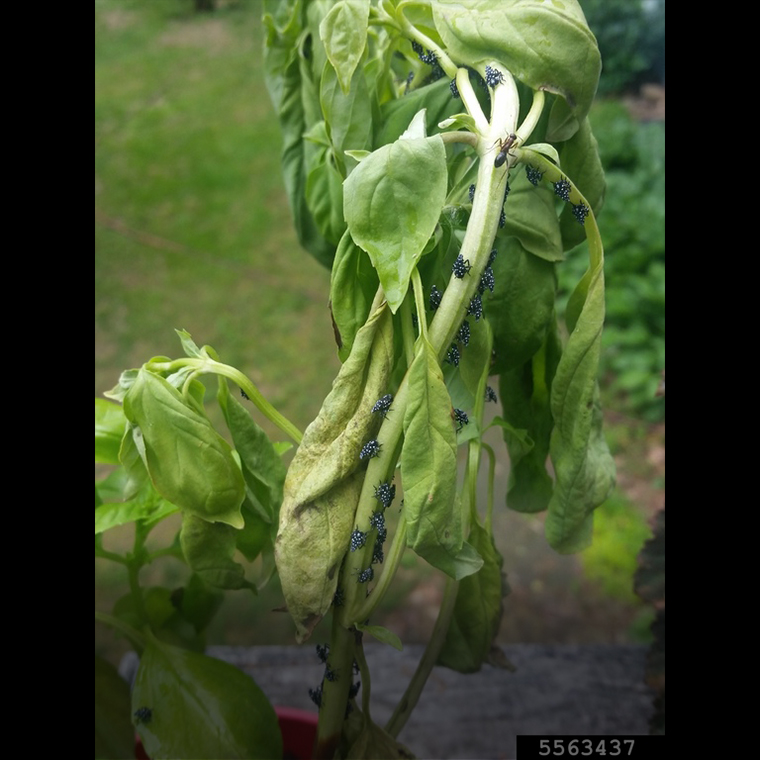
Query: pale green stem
(212, 367)
(412, 694)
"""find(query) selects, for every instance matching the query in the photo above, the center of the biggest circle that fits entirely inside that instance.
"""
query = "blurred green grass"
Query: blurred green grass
(193, 231)
(192, 226)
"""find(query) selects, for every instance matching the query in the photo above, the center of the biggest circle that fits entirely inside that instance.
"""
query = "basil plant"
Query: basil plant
(438, 158)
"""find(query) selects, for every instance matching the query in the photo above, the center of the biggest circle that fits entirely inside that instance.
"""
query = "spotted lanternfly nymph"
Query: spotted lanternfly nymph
(322, 651)
(428, 56)
(471, 192)
(370, 449)
(377, 553)
(331, 675)
(562, 189)
(504, 146)
(580, 212)
(533, 174)
(493, 77)
(475, 309)
(377, 521)
(461, 267)
(452, 355)
(366, 575)
(244, 395)
(461, 419)
(338, 598)
(492, 256)
(354, 688)
(382, 405)
(463, 336)
(487, 280)
(143, 714)
(502, 219)
(316, 695)
(358, 539)
(385, 494)
(435, 298)
(454, 89)
(490, 394)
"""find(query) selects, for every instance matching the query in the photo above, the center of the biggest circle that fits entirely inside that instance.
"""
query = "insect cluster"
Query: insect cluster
(317, 695)
(461, 418)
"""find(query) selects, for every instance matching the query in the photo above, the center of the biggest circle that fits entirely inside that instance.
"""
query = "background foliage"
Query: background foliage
(193, 231)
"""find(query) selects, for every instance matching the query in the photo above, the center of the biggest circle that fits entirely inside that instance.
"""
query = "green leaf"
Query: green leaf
(344, 33)
(321, 492)
(202, 707)
(547, 46)
(146, 504)
(263, 468)
(114, 735)
(477, 610)
(189, 463)
(392, 202)
(584, 468)
(429, 467)
(198, 602)
(189, 346)
(324, 197)
(396, 115)
(110, 424)
(208, 548)
(353, 284)
(531, 217)
(476, 359)
(382, 634)
(348, 114)
(521, 308)
(524, 393)
(292, 89)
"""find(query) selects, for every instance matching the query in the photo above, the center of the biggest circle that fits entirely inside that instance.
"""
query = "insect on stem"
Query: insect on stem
(504, 145)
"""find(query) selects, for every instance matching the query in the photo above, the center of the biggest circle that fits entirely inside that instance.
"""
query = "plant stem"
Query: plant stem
(412, 694)
(332, 711)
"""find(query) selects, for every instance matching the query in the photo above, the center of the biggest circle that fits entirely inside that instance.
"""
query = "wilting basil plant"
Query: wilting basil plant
(438, 158)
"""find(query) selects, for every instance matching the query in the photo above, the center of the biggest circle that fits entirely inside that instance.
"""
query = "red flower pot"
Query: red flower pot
(299, 730)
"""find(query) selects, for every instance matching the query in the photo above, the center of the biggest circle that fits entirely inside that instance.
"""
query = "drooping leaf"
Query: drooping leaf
(524, 393)
(348, 115)
(189, 463)
(344, 33)
(428, 471)
(263, 468)
(477, 610)
(201, 707)
(392, 201)
(547, 46)
(584, 468)
(581, 162)
(209, 548)
(353, 284)
(293, 91)
(521, 307)
(322, 487)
